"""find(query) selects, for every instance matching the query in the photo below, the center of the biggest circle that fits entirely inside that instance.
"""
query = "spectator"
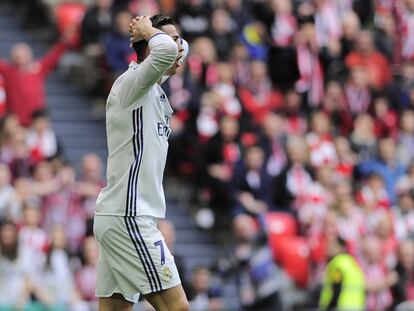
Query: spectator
(229, 104)
(97, 22)
(385, 118)
(254, 36)
(406, 18)
(203, 296)
(63, 206)
(406, 137)
(222, 33)
(406, 85)
(351, 28)
(404, 210)
(143, 7)
(41, 139)
(238, 12)
(8, 201)
(219, 156)
(385, 34)
(363, 140)
(207, 122)
(311, 81)
(118, 52)
(25, 98)
(20, 161)
(257, 96)
(14, 285)
(357, 92)
(378, 278)
(334, 105)
(375, 64)
(33, 240)
(386, 165)
(258, 289)
(403, 289)
(314, 201)
(202, 61)
(284, 24)
(9, 124)
(90, 184)
(57, 272)
(293, 180)
(327, 22)
(374, 200)
(86, 275)
(320, 142)
(252, 184)
(194, 18)
(346, 158)
(385, 233)
(350, 223)
(274, 143)
(296, 121)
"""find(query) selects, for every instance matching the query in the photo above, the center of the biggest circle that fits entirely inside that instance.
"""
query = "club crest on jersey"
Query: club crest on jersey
(167, 274)
(163, 98)
(163, 129)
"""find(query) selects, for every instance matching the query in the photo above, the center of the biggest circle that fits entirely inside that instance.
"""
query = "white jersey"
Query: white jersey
(137, 125)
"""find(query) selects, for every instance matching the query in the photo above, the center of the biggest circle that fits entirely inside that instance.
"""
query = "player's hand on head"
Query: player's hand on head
(139, 27)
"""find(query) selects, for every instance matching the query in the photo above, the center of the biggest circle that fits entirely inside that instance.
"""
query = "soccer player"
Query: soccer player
(134, 258)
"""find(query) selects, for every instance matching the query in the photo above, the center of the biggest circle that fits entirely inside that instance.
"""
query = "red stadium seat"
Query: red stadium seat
(317, 248)
(279, 223)
(2, 96)
(293, 256)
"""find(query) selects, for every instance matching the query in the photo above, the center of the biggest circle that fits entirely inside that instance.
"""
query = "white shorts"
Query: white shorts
(133, 257)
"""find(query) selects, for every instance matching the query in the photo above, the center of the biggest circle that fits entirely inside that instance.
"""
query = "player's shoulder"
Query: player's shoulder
(123, 78)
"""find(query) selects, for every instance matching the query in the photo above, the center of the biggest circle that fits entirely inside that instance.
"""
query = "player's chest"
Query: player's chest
(162, 113)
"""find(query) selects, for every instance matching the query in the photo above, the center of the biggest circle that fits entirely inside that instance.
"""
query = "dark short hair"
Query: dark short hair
(158, 21)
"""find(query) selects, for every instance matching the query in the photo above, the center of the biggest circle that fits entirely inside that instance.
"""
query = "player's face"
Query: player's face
(172, 32)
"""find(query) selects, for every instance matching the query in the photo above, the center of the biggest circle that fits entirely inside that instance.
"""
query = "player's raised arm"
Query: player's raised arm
(162, 52)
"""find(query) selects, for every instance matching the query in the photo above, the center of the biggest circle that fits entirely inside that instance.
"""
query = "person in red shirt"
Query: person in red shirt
(257, 96)
(25, 77)
(375, 63)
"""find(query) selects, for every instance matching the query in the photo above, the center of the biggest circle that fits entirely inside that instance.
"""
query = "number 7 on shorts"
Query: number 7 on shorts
(159, 243)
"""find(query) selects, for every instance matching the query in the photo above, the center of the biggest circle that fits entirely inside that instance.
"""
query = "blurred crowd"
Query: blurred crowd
(48, 254)
(294, 122)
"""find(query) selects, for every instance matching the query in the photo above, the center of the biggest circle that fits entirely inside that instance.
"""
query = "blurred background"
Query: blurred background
(292, 143)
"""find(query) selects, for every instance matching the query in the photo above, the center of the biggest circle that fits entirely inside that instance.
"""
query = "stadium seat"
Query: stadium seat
(317, 248)
(293, 256)
(280, 224)
(2, 96)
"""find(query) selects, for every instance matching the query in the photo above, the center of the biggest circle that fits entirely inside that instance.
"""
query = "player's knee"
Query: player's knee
(182, 305)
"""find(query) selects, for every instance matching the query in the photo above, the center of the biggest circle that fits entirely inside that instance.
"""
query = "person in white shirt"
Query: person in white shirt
(134, 258)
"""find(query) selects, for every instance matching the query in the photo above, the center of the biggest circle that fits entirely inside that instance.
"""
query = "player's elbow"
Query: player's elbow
(170, 51)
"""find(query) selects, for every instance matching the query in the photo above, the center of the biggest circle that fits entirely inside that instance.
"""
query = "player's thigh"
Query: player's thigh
(172, 299)
(120, 269)
(114, 303)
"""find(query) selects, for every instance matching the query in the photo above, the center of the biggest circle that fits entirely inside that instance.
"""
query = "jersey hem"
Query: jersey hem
(123, 215)
(134, 301)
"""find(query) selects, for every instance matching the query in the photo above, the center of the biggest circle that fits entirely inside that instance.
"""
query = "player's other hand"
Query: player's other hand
(139, 28)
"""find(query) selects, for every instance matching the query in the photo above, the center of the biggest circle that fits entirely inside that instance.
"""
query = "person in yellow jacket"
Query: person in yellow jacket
(344, 284)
